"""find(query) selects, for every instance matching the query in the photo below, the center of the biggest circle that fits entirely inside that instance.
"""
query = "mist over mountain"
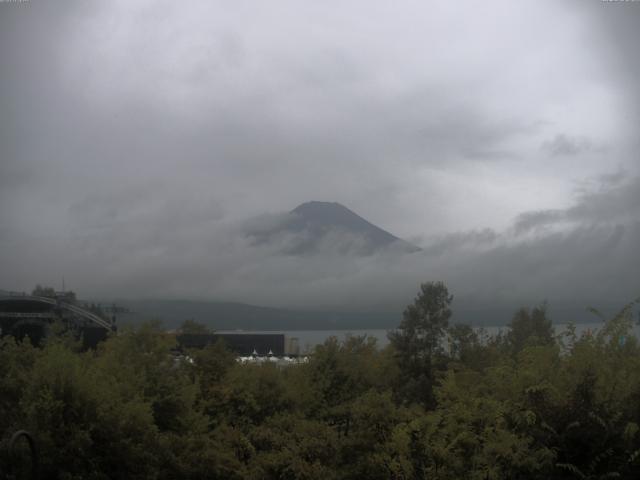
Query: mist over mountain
(144, 152)
(316, 226)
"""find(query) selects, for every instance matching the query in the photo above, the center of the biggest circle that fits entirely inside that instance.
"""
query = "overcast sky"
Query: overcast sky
(136, 137)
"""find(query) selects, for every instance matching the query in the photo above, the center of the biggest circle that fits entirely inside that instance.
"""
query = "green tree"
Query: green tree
(530, 328)
(192, 326)
(462, 341)
(291, 447)
(418, 341)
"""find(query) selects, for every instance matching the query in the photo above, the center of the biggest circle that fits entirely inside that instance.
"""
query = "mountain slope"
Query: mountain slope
(330, 227)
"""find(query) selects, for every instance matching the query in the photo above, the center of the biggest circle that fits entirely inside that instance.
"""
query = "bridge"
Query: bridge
(22, 307)
(58, 303)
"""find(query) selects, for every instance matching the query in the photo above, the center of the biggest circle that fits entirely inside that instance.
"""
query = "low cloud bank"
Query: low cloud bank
(583, 255)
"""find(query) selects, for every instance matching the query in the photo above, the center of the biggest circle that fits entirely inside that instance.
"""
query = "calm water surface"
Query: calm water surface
(308, 339)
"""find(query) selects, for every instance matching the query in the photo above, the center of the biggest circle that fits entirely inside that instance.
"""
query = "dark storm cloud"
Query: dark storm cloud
(136, 138)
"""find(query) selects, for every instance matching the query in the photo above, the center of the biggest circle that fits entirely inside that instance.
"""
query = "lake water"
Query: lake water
(308, 339)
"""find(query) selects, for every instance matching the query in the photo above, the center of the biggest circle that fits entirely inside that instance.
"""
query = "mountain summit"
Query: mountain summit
(329, 226)
(321, 217)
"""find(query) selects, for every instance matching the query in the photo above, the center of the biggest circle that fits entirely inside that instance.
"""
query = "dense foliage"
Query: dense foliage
(522, 405)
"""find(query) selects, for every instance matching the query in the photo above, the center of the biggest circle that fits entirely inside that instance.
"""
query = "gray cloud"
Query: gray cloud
(528, 221)
(615, 200)
(137, 138)
(581, 263)
(566, 145)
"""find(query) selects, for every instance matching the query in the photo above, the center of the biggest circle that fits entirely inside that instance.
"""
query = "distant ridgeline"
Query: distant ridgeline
(19, 313)
(234, 316)
(34, 315)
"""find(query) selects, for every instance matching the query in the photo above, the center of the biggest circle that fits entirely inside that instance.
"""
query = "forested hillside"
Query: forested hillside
(524, 405)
